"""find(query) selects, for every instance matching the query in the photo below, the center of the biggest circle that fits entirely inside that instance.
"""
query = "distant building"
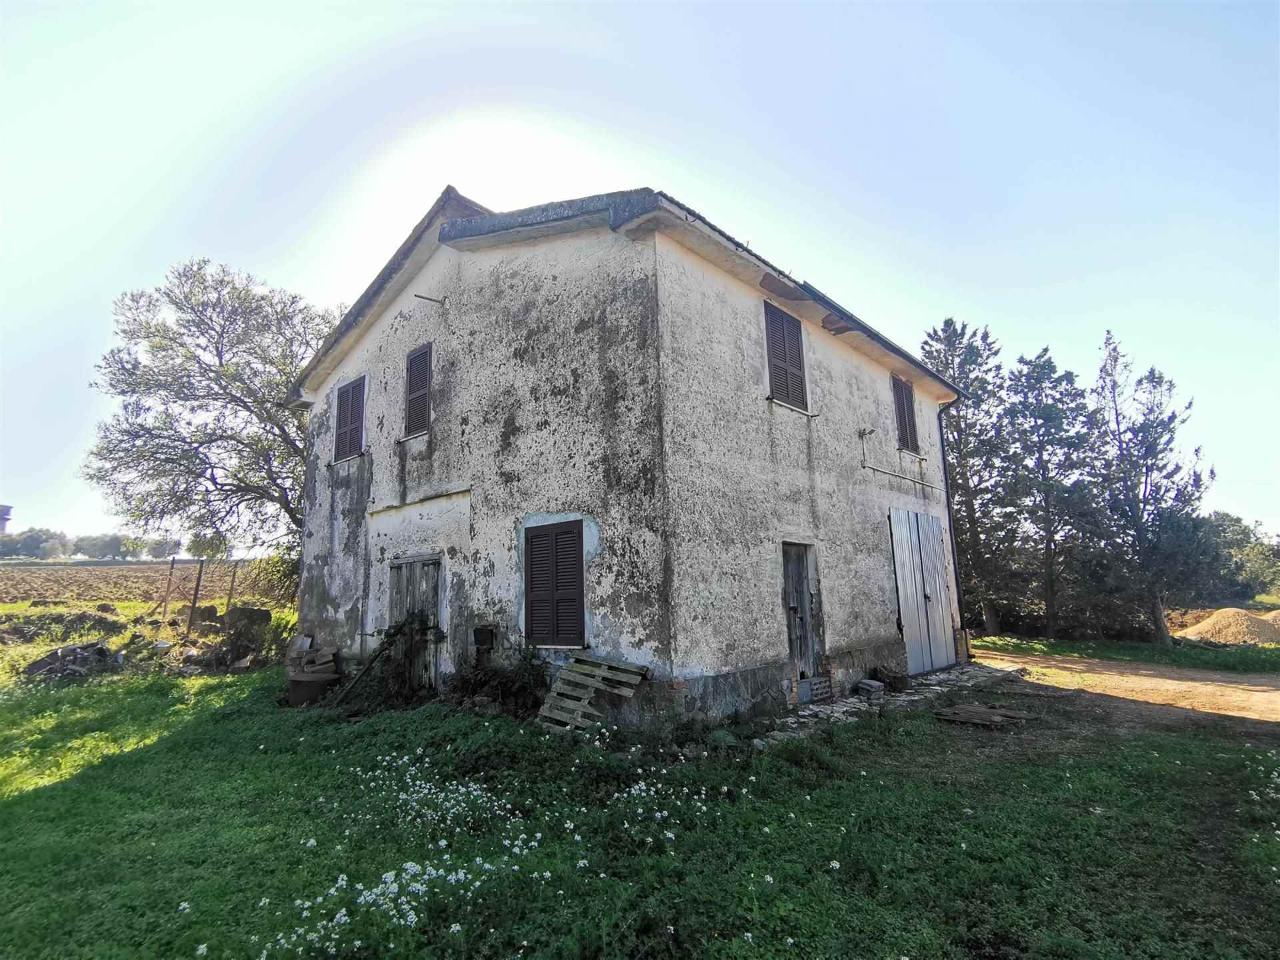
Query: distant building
(5, 513)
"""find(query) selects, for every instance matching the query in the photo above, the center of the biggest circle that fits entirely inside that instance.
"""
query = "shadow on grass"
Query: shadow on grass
(138, 794)
(52, 731)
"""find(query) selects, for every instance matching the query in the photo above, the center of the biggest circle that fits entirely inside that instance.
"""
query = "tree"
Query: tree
(100, 546)
(33, 542)
(1253, 561)
(1154, 492)
(208, 546)
(202, 440)
(160, 547)
(1048, 432)
(1259, 564)
(984, 528)
(56, 546)
(132, 547)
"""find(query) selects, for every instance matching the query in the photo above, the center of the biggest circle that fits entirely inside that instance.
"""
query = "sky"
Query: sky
(1048, 170)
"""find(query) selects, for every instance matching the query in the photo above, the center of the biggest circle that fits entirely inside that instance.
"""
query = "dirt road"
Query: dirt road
(1252, 695)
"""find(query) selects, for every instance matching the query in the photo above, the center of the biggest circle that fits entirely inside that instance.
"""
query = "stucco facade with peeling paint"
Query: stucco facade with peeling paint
(604, 363)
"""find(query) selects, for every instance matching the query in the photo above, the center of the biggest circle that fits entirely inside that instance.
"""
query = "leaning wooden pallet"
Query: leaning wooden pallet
(568, 705)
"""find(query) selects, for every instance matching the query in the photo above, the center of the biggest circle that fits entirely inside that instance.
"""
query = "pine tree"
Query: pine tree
(1153, 491)
(1047, 422)
(970, 358)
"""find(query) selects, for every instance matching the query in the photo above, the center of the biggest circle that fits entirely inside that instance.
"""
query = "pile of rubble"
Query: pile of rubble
(217, 643)
(312, 670)
(877, 696)
(74, 662)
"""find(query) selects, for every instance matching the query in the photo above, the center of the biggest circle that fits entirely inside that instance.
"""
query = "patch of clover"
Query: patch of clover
(441, 882)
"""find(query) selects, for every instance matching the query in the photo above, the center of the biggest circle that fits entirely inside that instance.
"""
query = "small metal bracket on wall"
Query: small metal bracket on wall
(862, 437)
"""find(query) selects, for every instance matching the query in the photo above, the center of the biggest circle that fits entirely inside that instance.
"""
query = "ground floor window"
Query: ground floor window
(554, 614)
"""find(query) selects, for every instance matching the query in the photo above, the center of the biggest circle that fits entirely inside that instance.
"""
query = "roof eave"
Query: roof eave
(635, 213)
(783, 286)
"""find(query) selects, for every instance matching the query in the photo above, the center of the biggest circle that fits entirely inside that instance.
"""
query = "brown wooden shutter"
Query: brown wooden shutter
(785, 344)
(554, 589)
(540, 575)
(417, 392)
(348, 433)
(904, 407)
(569, 592)
(340, 420)
(776, 342)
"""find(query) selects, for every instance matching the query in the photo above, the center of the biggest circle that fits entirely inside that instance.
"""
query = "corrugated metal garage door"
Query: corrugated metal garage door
(919, 562)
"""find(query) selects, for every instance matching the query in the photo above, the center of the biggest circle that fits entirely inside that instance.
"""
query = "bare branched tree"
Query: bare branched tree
(203, 442)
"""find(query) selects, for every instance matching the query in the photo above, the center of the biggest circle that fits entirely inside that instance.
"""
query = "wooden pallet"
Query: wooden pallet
(980, 715)
(568, 705)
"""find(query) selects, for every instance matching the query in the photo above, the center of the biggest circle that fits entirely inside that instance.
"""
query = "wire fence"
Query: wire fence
(221, 584)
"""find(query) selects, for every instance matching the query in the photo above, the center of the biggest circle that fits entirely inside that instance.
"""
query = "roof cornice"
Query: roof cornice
(468, 226)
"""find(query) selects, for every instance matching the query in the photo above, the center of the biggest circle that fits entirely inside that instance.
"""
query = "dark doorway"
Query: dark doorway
(798, 602)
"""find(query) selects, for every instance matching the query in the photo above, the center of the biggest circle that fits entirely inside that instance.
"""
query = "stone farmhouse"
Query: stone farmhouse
(606, 423)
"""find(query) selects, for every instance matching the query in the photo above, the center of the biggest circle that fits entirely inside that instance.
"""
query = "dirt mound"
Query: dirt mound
(1273, 616)
(1182, 620)
(1232, 625)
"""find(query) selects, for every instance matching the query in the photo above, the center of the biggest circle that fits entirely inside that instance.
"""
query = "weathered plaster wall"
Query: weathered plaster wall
(544, 406)
(745, 474)
(622, 382)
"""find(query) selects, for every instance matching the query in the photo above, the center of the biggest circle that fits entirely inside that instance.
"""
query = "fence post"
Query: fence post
(164, 614)
(195, 599)
(231, 591)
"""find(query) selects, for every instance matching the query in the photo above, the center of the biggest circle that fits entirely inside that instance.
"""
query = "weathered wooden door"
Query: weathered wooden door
(415, 591)
(924, 606)
(797, 603)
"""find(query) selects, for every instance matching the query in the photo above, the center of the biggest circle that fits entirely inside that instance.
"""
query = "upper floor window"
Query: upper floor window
(348, 434)
(904, 407)
(786, 357)
(417, 392)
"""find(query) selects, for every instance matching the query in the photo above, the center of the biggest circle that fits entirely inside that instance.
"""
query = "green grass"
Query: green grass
(1243, 659)
(123, 798)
